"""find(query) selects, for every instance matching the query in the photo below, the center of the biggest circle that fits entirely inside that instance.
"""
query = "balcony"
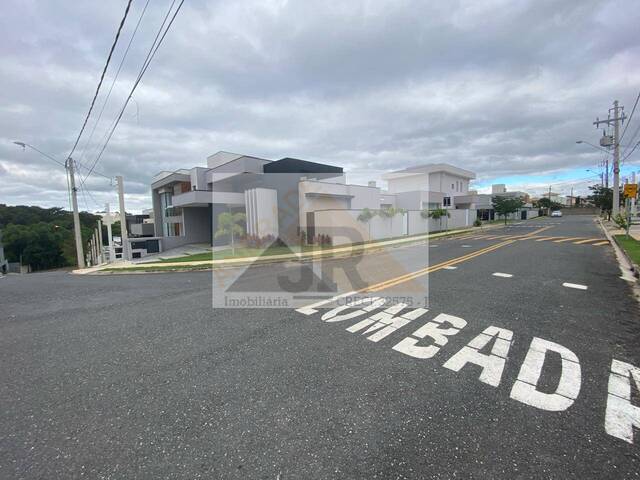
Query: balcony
(203, 198)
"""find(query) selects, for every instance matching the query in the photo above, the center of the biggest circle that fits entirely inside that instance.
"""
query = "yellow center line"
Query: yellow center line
(419, 273)
(606, 242)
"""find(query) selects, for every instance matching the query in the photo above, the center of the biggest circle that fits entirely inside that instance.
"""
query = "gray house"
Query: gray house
(187, 203)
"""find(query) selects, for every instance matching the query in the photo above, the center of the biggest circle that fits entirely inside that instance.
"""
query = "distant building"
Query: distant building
(483, 202)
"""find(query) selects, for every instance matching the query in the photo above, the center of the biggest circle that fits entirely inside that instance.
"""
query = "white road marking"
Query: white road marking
(493, 363)
(386, 323)
(525, 389)
(465, 246)
(503, 275)
(370, 304)
(432, 246)
(311, 309)
(433, 329)
(450, 267)
(621, 416)
(577, 286)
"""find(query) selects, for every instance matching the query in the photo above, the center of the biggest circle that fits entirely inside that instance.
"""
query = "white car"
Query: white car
(556, 213)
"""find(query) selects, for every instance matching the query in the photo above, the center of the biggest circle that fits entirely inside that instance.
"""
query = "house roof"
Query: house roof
(295, 165)
(429, 168)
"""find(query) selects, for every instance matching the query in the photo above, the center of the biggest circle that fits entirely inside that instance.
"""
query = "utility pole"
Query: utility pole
(108, 219)
(618, 118)
(634, 210)
(76, 216)
(102, 255)
(549, 207)
(571, 202)
(98, 246)
(123, 219)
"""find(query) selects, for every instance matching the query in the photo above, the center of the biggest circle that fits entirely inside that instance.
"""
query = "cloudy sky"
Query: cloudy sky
(500, 87)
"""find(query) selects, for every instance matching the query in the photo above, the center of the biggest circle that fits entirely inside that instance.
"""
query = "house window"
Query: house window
(446, 201)
(170, 229)
(452, 187)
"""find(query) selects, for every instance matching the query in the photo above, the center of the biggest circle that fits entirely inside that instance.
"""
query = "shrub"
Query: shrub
(620, 221)
(477, 223)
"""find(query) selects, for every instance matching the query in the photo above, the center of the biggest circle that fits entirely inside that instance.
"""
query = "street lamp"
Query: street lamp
(69, 164)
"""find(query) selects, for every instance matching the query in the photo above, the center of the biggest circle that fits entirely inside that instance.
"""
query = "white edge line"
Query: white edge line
(577, 286)
(503, 275)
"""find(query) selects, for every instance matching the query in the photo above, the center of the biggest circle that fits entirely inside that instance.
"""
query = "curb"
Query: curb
(632, 266)
(624, 259)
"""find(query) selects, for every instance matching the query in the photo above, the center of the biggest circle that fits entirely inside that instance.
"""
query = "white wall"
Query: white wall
(433, 182)
(262, 211)
(362, 197)
(343, 226)
(410, 183)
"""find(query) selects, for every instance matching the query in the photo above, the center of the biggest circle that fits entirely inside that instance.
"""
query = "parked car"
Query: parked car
(556, 213)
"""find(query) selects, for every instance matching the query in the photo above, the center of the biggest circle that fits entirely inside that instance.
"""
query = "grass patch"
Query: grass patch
(159, 268)
(241, 252)
(631, 246)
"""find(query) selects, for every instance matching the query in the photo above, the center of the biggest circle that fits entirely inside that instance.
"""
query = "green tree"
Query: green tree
(30, 242)
(365, 217)
(504, 206)
(439, 214)
(230, 224)
(39, 245)
(602, 198)
(545, 203)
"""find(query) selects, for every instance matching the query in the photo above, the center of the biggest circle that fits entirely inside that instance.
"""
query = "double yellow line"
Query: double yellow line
(425, 271)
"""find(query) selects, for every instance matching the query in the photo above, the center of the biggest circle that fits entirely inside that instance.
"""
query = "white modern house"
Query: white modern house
(429, 186)
(294, 199)
(410, 192)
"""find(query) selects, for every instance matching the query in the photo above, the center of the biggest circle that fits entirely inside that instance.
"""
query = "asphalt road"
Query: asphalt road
(137, 376)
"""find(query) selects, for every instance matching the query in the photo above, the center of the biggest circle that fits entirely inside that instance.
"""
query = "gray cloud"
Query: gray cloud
(500, 87)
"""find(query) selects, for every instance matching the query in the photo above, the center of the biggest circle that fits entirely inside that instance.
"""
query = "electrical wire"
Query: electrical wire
(150, 55)
(104, 71)
(629, 119)
(115, 78)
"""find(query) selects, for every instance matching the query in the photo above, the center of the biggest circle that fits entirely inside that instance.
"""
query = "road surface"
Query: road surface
(504, 372)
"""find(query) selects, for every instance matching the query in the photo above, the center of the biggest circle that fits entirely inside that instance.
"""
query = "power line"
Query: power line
(633, 139)
(630, 117)
(115, 78)
(104, 71)
(150, 55)
(632, 150)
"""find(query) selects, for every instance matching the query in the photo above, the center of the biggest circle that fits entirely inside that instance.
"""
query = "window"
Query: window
(452, 187)
(446, 201)
(170, 229)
